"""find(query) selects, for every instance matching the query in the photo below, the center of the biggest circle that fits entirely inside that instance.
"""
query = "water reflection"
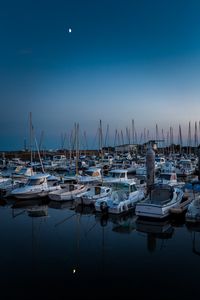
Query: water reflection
(120, 223)
(154, 230)
(84, 209)
(194, 229)
(33, 208)
(73, 250)
(196, 243)
(61, 204)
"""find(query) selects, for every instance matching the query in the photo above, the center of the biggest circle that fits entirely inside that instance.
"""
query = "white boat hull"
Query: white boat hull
(111, 206)
(31, 195)
(62, 195)
(150, 209)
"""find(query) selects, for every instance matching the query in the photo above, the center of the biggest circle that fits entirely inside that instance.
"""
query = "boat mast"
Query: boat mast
(180, 138)
(133, 132)
(39, 155)
(77, 145)
(195, 137)
(101, 140)
(189, 138)
(86, 143)
(31, 137)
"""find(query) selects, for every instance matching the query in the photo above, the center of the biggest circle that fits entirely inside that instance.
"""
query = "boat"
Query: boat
(92, 194)
(130, 166)
(168, 167)
(124, 197)
(23, 173)
(67, 192)
(36, 187)
(92, 175)
(159, 201)
(116, 175)
(8, 186)
(193, 211)
(120, 175)
(185, 168)
(169, 177)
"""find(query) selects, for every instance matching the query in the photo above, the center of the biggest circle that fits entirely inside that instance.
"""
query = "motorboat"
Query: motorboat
(124, 197)
(193, 211)
(92, 175)
(92, 194)
(185, 168)
(37, 186)
(67, 192)
(116, 176)
(7, 186)
(159, 201)
(23, 173)
(170, 178)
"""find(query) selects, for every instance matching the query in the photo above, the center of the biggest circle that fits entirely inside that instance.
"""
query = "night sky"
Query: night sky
(122, 60)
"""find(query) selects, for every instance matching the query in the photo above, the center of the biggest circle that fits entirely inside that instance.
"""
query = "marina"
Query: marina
(100, 150)
(51, 244)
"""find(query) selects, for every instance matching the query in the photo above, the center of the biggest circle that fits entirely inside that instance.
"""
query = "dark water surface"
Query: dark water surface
(70, 254)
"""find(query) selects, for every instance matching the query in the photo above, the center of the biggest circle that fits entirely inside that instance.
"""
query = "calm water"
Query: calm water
(83, 256)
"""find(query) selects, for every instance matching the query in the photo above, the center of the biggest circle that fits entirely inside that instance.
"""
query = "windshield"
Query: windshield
(121, 186)
(37, 181)
(165, 176)
(118, 175)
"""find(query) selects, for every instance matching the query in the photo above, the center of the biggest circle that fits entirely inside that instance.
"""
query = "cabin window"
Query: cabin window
(133, 188)
(71, 187)
(97, 190)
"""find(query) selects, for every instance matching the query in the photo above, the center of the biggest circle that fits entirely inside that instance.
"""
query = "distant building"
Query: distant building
(156, 144)
(126, 148)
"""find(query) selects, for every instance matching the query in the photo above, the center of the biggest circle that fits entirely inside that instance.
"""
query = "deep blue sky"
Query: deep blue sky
(123, 60)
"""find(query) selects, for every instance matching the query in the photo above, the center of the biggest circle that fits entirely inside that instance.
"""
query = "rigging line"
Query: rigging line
(20, 213)
(90, 228)
(39, 156)
(64, 220)
(84, 216)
